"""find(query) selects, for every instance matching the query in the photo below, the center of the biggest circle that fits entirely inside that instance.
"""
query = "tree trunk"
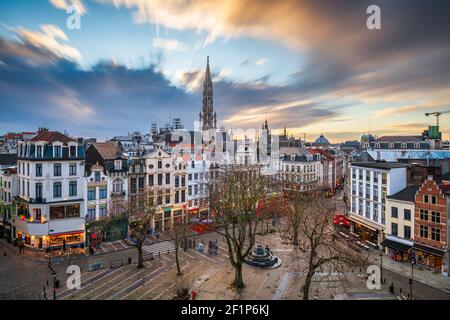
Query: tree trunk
(295, 236)
(307, 285)
(140, 256)
(238, 281)
(179, 273)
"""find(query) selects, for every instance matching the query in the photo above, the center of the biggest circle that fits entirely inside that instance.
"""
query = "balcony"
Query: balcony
(31, 228)
(38, 200)
(117, 193)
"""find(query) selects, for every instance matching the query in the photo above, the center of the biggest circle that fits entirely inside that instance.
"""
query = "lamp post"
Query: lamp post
(381, 267)
(413, 262)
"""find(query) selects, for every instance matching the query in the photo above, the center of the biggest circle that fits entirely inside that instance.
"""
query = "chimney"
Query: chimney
(378, 156)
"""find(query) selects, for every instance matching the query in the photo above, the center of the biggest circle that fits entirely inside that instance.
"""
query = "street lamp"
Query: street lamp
(413, 262)
(381, 266)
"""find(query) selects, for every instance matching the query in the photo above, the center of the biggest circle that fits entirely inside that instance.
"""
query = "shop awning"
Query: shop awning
(396, 245)
(434, 251)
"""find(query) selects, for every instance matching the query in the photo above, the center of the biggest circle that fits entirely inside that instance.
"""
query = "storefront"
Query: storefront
(398, 249)
(364, 231)
(429, 256)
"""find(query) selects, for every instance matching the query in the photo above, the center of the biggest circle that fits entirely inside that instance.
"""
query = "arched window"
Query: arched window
(118, 185)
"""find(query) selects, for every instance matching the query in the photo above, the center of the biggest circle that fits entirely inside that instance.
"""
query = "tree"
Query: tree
(235, 196)
(319, 241)
(179, 234)
(140, 211)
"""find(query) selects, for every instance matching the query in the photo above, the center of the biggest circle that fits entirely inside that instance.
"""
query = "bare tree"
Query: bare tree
(179, 234)
(319, 241)
(234, 196)
(140, 211)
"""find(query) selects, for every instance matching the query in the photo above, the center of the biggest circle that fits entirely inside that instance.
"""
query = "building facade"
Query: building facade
(370, 184)
(51, 187)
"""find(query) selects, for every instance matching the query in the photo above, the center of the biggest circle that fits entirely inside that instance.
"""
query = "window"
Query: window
(407, 232)
(177, 181)
(423, 214)
(73, 169)
(39, 151)
(159, 164)
(57, 169)
(103, 193)
(118, 186)
(167, 178)
(190, 176)
(28, 169)
(167, 200)
(141, 182)
(435, 217)
(433, 199)
(57, 151)
(423, 231)
(190, 190)
(91, 214)
(183, 181)
(160, 179)
(436, 234)
(38, 190)
(394, 212)
(150, 180)
(73, 151)
(375, 214)
(91, 194)
(375, 194)
(72, 188)
(177, 197)
(425, 198)
(118, 165)
(394, 229)
(133, 184)
(407, 214)
(102, 212)
(97, 176)
(183, 195)
(57, 190)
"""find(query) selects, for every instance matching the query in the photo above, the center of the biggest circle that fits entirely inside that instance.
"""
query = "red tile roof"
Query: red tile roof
(52, 136)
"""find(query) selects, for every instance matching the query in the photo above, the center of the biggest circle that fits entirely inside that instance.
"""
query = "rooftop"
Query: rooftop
(379, 165)
(52, 136)
(408, 194)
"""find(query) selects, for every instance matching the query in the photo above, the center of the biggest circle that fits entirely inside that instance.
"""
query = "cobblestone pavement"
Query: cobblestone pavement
(209, 275)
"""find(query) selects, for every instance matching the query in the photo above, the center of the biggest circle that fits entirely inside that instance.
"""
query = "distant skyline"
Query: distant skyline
(311, 66)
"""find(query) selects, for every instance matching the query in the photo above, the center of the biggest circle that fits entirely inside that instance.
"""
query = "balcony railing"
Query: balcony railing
(38, 200)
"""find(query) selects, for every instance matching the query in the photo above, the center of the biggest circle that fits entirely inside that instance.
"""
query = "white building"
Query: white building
(303, 169)
(371, 183)
(8, 191)
(51, 188)
(167, 174)
(197, 201)
(400, 223)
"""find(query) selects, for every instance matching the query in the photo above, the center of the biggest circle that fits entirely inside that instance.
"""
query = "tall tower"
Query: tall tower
(207, 116)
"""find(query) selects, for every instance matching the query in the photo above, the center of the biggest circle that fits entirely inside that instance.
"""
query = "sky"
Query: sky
(311, 66)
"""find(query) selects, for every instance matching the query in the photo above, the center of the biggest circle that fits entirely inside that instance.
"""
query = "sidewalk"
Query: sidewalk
(421, 274)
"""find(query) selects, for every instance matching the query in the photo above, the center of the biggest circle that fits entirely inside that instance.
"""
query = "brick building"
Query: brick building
(430, 224)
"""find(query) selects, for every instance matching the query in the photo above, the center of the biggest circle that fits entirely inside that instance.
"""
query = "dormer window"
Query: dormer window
(118, 165)
(417, 145)
(378, 145)
(391, 146)
(73, 151)
(404, 145)
(39, 151)
(97, 176)
(57, 151)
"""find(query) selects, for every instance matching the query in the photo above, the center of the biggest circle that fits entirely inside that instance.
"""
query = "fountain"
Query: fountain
(263, 258)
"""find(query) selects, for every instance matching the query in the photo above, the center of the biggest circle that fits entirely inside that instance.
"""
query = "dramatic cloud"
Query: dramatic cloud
(64, 4)
(49, 39)
(169, 44)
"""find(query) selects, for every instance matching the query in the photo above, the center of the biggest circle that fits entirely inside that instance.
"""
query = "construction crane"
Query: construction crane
(436, 114)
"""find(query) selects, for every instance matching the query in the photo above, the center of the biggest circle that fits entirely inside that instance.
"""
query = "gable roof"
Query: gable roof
(107, 150)
(52, 136)
(408, 194)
